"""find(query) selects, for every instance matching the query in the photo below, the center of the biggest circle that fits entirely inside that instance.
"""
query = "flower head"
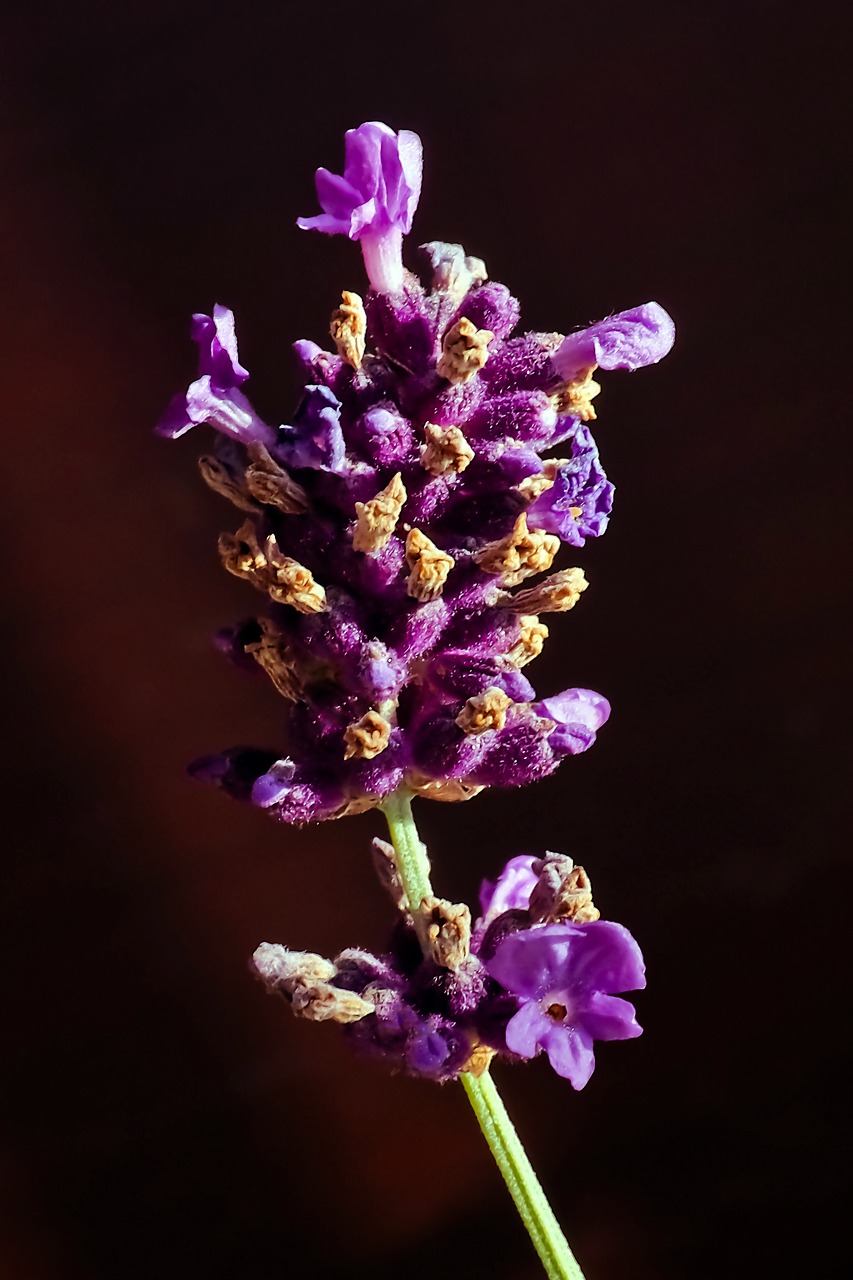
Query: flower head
(400, 528)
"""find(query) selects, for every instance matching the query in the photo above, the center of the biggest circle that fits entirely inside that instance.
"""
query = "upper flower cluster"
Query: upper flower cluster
(403, 525)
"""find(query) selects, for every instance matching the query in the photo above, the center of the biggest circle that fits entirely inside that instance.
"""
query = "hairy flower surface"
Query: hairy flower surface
(401, 526)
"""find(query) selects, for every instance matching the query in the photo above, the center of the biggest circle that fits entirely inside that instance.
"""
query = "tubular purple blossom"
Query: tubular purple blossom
(374, 200)
(629, 340)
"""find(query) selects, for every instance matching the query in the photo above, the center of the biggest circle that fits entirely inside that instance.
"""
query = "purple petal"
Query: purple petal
(227, 410)
(217, 344)
(175, 421)
(272, 787)
(316, 440)
(603, 956)
(380, 186)
(337, 196)
(628, 340)
(411, 153)
(569, 1050)
(579, 483)
(606, 1017)
(526, 1030)
(512, 889)
(535, 962)
(577, 714)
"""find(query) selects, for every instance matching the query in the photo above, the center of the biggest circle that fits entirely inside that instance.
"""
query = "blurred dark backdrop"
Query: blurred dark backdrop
(162, 1117)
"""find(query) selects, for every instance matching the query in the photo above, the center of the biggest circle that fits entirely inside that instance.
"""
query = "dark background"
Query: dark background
(163, 1118)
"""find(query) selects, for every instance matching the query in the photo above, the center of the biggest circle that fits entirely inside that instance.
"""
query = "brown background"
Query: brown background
(163, 1119)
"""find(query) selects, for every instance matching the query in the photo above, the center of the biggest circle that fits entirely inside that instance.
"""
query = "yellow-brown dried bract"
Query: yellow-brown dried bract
(243, 556)
(326, 1003)
(464, 351)
(446, 450)
(480, 1060)
(228, 480)
(444, 930)
(485, 711)
(531, 640)
(273, 654)
(367, 737)
(428, 566)
(447, 790)
(292, 583)
(576, 396)
(304, 980)
(377, 519)
(520, 554)
(349, 328)
(532, 486)
(556, 594)
(270, 483)
(562, 892)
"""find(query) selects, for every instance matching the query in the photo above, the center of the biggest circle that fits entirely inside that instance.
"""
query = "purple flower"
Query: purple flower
(374, 200)
(578, 714)
(214, 397)
(577, 506)
(629, 340)
(566, 977)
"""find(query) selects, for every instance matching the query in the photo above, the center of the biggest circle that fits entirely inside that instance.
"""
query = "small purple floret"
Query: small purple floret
(374, 200)
(629, 340)
(215, 397)
(578, 714)
(566, 977)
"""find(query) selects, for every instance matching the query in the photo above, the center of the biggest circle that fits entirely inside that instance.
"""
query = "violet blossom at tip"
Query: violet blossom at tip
(538, 971)
(400, 528)
(374, 201)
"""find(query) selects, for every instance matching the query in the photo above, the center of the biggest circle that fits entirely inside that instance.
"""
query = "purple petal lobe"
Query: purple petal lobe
(570, 1053)
(379, 188)
(628, 340)
(526, 1030)
(512, 889)
(217, 348)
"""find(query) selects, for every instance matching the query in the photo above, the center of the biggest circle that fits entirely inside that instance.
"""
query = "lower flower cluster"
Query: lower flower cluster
(538, 970)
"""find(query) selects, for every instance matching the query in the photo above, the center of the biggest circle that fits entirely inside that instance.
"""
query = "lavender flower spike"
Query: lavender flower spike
(565, 977)
(630, 340)
(374, 200)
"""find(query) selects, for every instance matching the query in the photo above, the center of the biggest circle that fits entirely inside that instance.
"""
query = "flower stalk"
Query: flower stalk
(496, 1126)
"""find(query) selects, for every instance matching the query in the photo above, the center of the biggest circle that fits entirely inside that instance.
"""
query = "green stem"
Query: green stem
(498, 1130)
(412, 860)
(523, 1185)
